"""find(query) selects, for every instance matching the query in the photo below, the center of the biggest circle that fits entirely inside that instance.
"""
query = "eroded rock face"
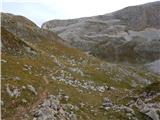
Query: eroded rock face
(140, 17)
(106, 36)
(154, 66)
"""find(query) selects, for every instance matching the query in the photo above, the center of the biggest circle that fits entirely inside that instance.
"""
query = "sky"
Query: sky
(40, 11)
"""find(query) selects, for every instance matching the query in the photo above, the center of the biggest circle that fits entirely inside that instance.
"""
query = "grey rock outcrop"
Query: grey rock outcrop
(149, 109)
(131, 34)
(52, 109)
(154, 66)
(141, 16)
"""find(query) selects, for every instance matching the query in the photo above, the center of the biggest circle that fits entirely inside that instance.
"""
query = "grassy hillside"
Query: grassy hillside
(57, 69)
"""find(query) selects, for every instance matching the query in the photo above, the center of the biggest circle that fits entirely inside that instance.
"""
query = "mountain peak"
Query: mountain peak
(108, 36)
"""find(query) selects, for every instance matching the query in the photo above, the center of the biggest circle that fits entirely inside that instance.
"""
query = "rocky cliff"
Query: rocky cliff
(128, 35)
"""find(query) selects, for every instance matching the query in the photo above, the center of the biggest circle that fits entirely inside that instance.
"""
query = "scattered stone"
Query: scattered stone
(148, 96)
(66, 98)
(52, 109)
(56, 61)
(53, 78)
(76, 108)
(128, 110)
(30, 50)
(70, 106)
(16, 78)
(73, 116)
(107, 104)
(52, 56)
(77, 70)
(101, 88)
(14, 92)
(112, 88)
(82, 105)
(24, 100)
(2, 103)
(4, 61)
(23, 87)
(63, 97)
(34, 118)
(32, 89)
(27, 68)
(67, 78)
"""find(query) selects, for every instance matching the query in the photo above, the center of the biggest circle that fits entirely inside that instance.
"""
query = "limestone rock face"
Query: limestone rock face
(154, 66)
(140, 17)
(109, 36)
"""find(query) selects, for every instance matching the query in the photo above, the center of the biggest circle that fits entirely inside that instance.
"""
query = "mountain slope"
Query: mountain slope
(128, 35)
(59, 82)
